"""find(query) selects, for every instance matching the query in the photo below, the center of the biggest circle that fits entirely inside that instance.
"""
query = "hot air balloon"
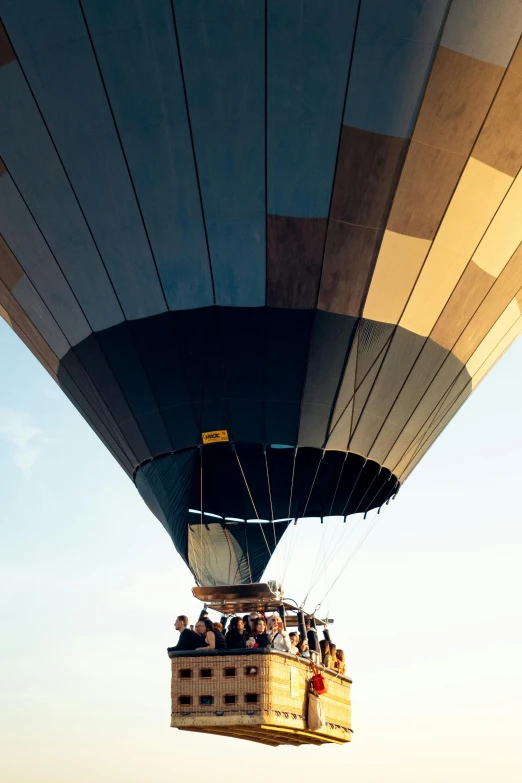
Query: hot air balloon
(267, 249)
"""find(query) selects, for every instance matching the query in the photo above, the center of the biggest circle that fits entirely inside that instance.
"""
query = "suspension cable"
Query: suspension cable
(201, 507)
(292, 484)
(349, 532)
(338, 482)
(289, 541)
(352, 555)
(322, 548)
(270, 497)
(251, 499)
(313, 483)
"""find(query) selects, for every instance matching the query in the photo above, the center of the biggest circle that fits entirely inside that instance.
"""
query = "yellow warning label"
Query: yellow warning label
(216, 436)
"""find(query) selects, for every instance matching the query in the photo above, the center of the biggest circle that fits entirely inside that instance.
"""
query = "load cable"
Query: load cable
(290, 542)
(314, 576)
(374, 521)
(352, 529)
(270, 498)
(251, 499)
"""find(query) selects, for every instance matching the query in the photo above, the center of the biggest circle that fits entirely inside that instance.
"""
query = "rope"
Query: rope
(247, 552)
(348, 533)
(252, 500)
(313, 484)
(289, 542)
(292, 484)
(201, 509)
(270, 497)
(338, 482)
(352, 555)
(322, 548)
(353, 488)
(231, 556)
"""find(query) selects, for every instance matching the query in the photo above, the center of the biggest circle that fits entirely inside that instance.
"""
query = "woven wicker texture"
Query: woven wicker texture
(257, 697)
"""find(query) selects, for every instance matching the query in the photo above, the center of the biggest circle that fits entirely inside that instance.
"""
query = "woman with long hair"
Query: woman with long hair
(214, 639)
(339, 664)
(236, 636)
(259, 637)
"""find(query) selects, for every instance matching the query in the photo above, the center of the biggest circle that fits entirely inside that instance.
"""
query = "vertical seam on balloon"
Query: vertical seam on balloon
(122, 148)
(266, 314)
(431, 431)
(396, 326)
(76, 199)
(421, 97)
(54, 375)
(341, 126)
(456, 284)
(131, 180)
(266, 153)
(435, 412)
(318, 290)
(109, 426)
(203, 217)
(102, 415)
(217, 315)
(358, 386)
(371, 271)
(359, 326)
(470, 155)
(189, 122)
(340, 381)
(432, 415)
(428, 337)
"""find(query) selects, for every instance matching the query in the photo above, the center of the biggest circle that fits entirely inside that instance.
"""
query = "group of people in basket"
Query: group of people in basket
(255, 630)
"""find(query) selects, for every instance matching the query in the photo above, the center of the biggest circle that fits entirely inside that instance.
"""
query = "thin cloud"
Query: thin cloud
(21, 437)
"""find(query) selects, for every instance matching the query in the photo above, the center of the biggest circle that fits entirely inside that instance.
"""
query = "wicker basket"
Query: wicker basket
(259, 695)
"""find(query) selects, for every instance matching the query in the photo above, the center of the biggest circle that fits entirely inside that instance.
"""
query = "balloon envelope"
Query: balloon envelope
(296, 222)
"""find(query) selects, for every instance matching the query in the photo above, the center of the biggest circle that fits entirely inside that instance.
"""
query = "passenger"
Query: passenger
(304, 652)
(214, 639)
(339, 664)
(279, 639)
(188, 640)
(236, 637)
(326, 658)
(333, 655)
(218, 627)
(259, 637)
(311, 633)
(294, 640)
(251, 619)
(201, 630)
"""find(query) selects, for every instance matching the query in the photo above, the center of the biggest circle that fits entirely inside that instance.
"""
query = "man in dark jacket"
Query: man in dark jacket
(188, 640)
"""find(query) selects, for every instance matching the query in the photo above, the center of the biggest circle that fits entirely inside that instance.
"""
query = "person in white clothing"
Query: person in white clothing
(279, 639)
(294, 641)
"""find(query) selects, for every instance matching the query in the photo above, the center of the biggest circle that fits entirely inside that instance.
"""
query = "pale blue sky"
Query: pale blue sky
(428, 610)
